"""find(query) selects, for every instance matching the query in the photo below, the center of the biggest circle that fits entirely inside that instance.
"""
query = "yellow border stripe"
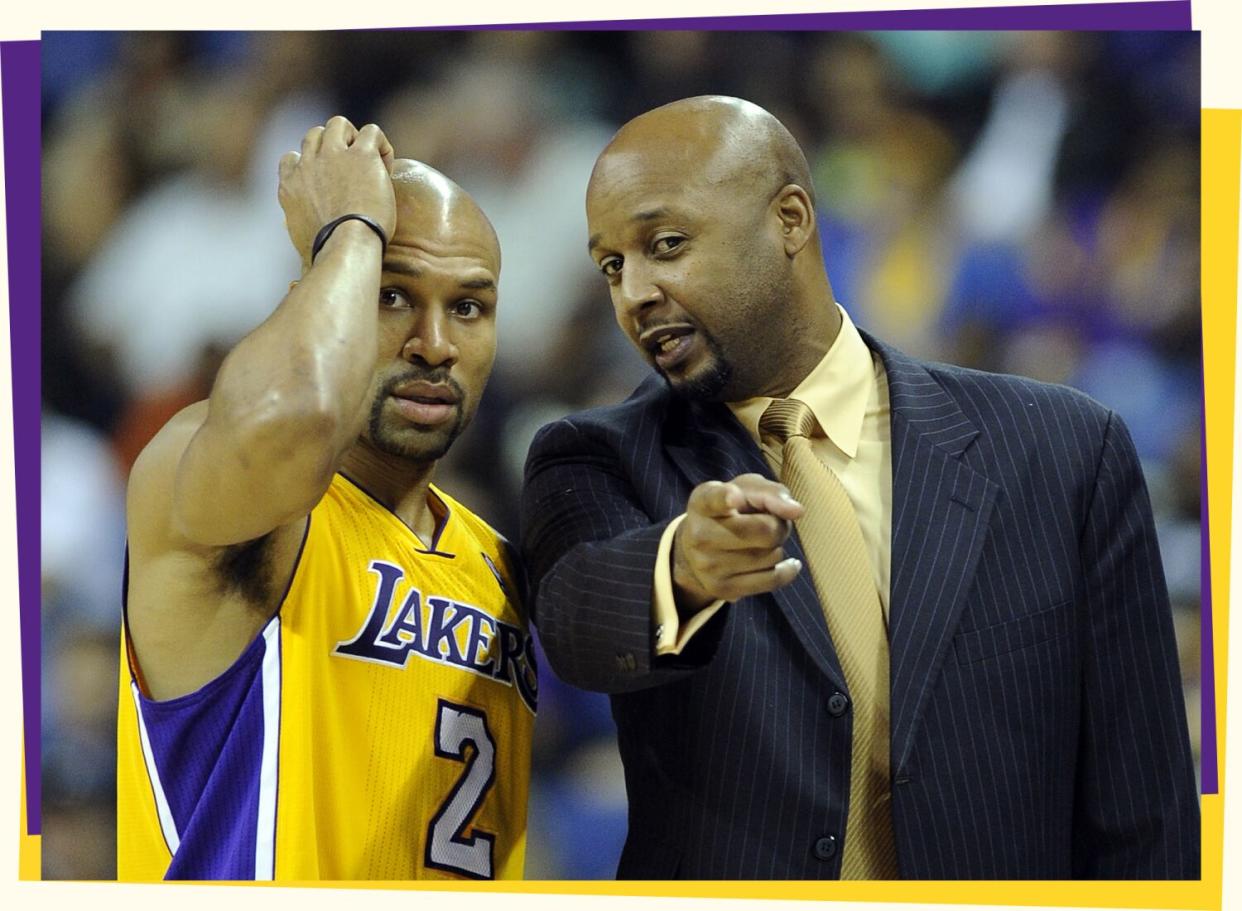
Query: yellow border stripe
(1222, 159)
(1192, 895)
(1222, 137)
(29, 847)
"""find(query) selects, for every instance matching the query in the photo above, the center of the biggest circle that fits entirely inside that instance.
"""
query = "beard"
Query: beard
(711, 382)
(418, 443)
(722, 377)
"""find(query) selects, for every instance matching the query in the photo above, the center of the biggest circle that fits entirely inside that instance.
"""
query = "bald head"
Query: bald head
(725, 141)
(425, 185)
(430, 206)
(702, 219)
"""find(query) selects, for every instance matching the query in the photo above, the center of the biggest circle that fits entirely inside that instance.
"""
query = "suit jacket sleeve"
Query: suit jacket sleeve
(1137, 810)
(590, 548)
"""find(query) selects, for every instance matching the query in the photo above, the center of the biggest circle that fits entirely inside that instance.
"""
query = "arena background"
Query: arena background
(1024, 202)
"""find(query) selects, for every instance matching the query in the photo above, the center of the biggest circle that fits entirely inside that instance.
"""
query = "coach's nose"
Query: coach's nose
(634, 294)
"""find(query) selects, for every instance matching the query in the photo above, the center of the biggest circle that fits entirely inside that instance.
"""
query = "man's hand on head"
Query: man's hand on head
(340, 170)
(731, 543)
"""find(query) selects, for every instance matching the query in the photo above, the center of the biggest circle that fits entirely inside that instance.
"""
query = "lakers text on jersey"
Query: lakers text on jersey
(378, 728)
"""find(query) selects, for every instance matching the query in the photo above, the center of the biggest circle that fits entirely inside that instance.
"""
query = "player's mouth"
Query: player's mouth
(669, 345)
(426, 403)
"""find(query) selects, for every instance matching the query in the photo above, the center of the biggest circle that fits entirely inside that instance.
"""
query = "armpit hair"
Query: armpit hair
(244, 569)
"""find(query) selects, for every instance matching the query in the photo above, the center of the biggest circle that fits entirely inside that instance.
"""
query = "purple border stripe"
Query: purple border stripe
(1161, 15)
(19, 69)
(1209, 783)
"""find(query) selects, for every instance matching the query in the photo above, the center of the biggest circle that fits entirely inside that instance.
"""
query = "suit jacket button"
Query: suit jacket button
(838, 703)
(825, 847)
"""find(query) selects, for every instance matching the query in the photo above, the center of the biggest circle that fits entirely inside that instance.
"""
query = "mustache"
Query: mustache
(435, 375)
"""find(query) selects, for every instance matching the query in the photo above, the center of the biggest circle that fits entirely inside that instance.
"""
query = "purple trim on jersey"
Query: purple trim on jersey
(208, 749)
(440, 526)
(208, 754)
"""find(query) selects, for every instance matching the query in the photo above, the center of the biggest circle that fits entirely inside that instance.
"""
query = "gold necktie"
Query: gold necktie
(841, 571)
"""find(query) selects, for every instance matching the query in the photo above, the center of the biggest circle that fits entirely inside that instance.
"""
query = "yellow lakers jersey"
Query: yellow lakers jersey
(378, 728)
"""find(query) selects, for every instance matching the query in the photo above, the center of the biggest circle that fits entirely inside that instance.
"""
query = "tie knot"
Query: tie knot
(786, 418)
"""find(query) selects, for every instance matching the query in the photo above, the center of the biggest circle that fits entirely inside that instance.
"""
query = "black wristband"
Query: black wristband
(326, 231)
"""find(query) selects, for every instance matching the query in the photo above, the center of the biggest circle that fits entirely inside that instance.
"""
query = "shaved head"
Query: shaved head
(430, 203)
(430, 206)
(427, 186)
(726, 141)
(702, 219)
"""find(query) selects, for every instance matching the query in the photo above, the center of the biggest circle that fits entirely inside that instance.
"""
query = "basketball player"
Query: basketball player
(327, 671)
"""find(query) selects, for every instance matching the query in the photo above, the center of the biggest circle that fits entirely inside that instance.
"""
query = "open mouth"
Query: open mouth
(670, 345)
(425, 403)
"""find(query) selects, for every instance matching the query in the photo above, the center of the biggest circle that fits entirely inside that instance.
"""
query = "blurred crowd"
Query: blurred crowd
(1021, 202)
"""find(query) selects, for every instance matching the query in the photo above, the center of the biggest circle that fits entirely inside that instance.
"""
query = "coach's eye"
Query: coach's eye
(393, 299)
(667, 243)
(610, 266)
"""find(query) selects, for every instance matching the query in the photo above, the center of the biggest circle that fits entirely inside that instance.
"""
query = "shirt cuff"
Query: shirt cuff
(672, 634)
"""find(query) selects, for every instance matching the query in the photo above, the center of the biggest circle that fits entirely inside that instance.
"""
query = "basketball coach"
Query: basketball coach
(860, 616)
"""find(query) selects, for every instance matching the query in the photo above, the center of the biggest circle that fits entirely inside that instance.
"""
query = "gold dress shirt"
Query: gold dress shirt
(848, 393)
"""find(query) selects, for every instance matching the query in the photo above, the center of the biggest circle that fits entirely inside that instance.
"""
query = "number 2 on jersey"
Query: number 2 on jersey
(448, 847)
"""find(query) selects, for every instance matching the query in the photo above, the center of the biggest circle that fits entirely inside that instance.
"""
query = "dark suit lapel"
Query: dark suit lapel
(709, 444)
(941, 508)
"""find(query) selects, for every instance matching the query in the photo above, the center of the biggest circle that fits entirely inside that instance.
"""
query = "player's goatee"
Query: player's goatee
(432, 441)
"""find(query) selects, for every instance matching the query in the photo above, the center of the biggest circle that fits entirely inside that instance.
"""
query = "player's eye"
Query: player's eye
(468, 309)
(610, 266)
(393, 299)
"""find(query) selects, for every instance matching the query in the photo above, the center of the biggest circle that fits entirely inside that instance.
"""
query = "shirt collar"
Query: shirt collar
(836, 391)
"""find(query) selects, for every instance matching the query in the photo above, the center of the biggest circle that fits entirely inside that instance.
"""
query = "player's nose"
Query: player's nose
(430, 339)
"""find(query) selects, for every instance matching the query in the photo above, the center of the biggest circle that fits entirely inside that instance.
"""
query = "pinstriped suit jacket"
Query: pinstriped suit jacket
(1038, 727)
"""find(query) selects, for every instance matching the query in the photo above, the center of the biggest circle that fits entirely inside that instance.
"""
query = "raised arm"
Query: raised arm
(252, 461)
(290, 398)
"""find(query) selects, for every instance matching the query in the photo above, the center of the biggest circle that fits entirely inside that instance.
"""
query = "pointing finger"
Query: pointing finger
(775, 502)
(717, 499)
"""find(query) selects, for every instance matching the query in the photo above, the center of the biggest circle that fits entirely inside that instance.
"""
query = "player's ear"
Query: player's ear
(293, 284)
